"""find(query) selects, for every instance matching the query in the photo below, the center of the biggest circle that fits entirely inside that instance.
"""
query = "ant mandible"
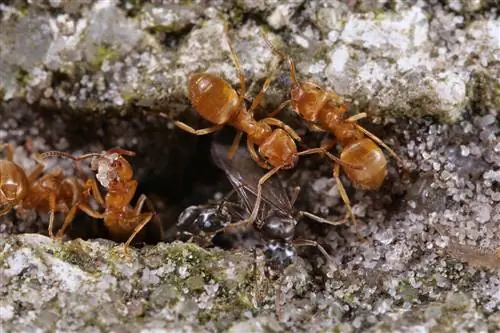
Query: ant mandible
(364, 163)
(115, 174)
(216, 101)
(50, 193)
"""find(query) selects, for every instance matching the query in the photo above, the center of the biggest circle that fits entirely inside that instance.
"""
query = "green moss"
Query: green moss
(195, 283)
(74, 253)
(23, 77)
(407, 291)
(103, 53)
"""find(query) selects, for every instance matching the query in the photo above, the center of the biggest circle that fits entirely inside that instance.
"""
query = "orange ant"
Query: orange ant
(50, 193)
(115, 174)
(364, 163)
(216, 101)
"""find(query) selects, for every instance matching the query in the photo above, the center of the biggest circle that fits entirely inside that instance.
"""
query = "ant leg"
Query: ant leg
(145, 218)
(253, 216)
(237, 65)
(265, 86)
(308, 242)
(356, 117)
(315, 128)
(343, 194)
(381, 143)
(52, 210)
(9, 151)
(311, 151)
(282, 54)
(258, 199)
(91, 184)
(35, 173)
(67, 220)
(279, 123)
(343, 163)
(91, 212)
(320, 219)
(202, 131)
(279, 109)
(140, 204)
(235, 145)
(254, 155)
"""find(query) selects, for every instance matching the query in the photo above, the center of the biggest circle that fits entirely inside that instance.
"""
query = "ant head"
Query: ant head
(307, 99)
(111, 167)
(279, 255)
(279, 149)
(14, 184)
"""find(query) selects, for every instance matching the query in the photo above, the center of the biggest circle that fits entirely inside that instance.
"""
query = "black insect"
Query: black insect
(204, 225)
(276, 219)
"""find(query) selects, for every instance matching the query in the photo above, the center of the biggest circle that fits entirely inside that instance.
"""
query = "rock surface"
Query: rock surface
(76, 76)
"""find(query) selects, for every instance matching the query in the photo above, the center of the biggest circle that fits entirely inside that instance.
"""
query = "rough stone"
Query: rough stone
(77, 76)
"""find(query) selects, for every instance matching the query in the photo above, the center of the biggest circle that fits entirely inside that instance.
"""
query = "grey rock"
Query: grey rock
(388, 62)
(423, 255)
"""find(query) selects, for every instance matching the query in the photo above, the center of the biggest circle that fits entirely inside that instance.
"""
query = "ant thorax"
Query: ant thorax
(105, 170)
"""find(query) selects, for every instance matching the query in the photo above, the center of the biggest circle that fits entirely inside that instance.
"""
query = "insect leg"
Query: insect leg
(52, 209)
(320, 219)
(380, 142)
(254, 155)
(308, 242)
(144, 218)
(262, 180)
(91, 212)
(282, 54)
(67, 220)
(35, 173)
(237, 65)
(343, 193)
(279, 109)
(356, 117)
(265, 86)
(280, 124)
(235, 145)
(91, 185)
(202, 131)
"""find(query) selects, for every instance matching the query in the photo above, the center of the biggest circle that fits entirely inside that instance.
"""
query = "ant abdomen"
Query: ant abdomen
(368, 154)
(209, 92)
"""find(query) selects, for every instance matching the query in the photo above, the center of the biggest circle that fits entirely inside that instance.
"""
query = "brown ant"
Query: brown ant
(116, 175)
(50, 193)
(364, 163)
(216, 101)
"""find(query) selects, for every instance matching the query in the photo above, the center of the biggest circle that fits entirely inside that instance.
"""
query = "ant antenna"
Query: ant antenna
(121, 151)
(49, 154)
(282, 55)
